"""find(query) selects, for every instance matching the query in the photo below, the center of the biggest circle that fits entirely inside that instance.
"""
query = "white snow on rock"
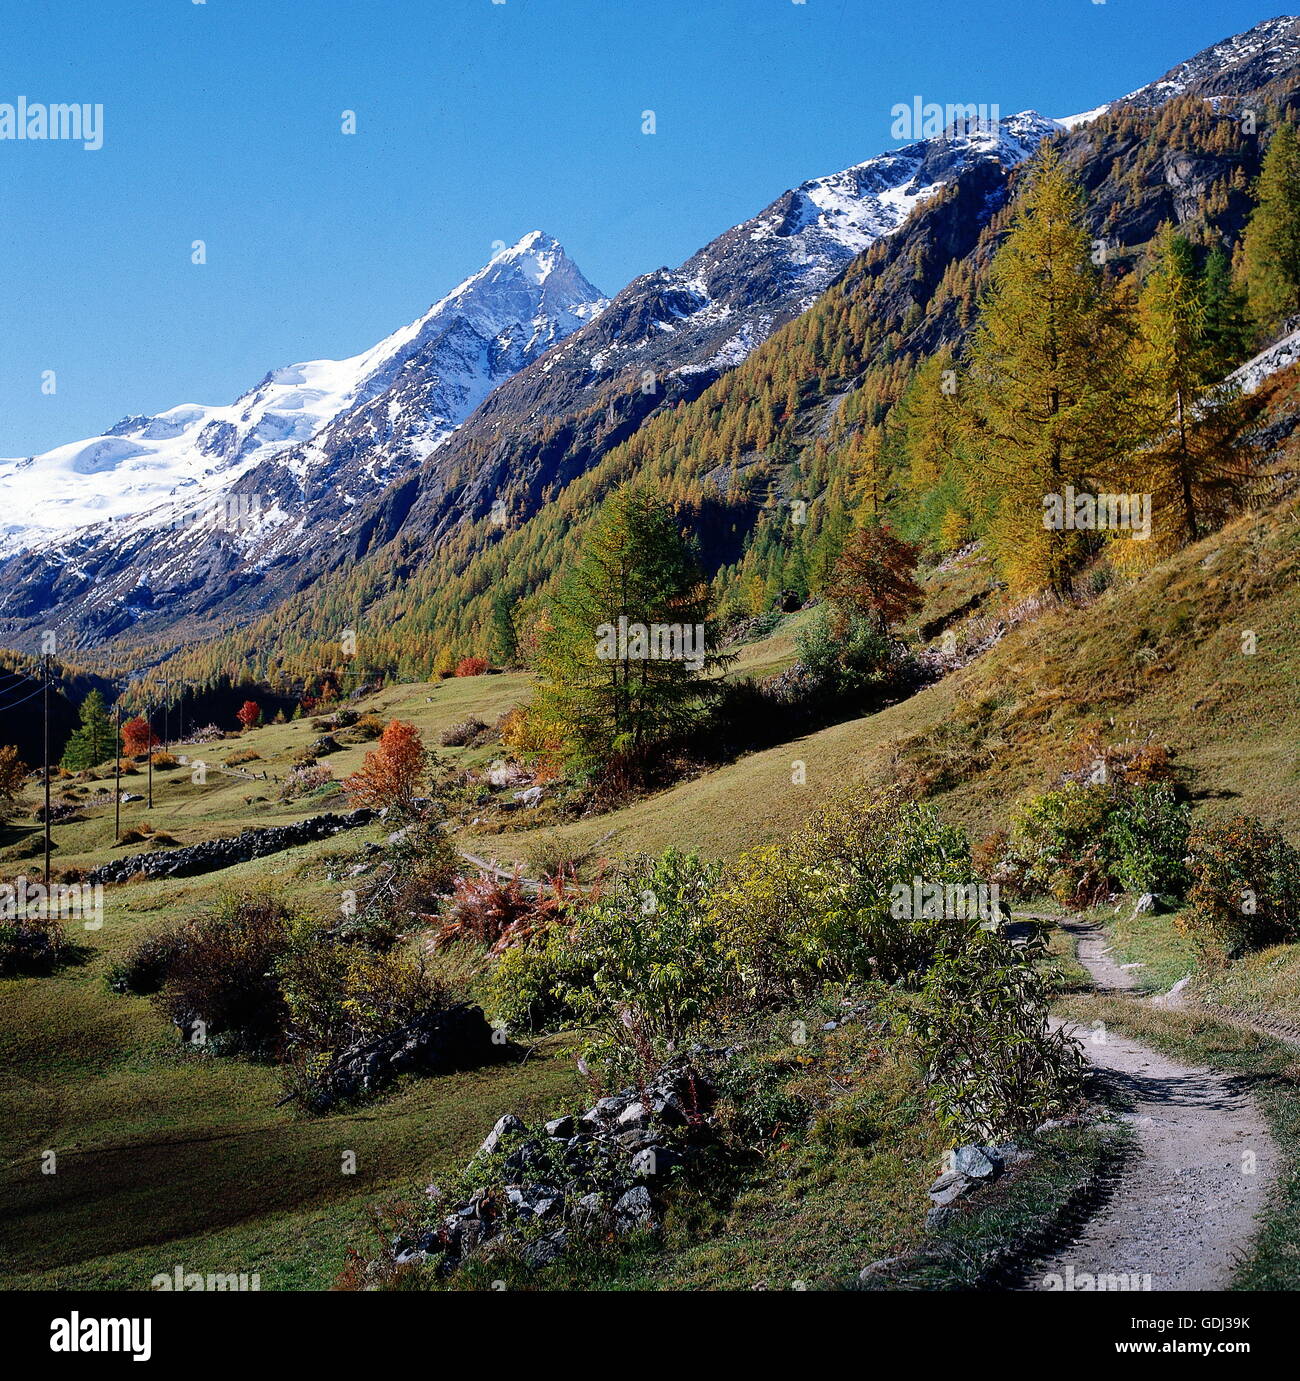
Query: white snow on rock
(145, 469)
(1280, 355)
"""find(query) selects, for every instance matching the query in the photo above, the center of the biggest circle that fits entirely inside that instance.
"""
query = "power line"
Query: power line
(13, 704)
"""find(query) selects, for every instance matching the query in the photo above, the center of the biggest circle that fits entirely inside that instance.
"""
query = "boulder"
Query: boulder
(509, 1125)
(975, 1162)
(633, 1210)
(950, 1187)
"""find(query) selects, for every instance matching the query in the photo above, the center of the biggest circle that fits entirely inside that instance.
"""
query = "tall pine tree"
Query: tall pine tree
(95, 740)
(1048, 380)
(603, 688)
(1227, 327)
(1189, 462)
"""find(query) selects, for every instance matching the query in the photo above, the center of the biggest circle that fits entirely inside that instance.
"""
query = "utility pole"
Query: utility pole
(117, 774)
(46, 772)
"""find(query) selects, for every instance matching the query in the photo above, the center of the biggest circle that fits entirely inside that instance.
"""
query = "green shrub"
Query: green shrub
(530, 985)
(1083, 840)
(1245, 891)
(143, 968)
(223, 975)
(33, 946)
(1146, 840)
(843, 655)
(1056, 838)
(338, 994)
(993, 1065)
(817, 906)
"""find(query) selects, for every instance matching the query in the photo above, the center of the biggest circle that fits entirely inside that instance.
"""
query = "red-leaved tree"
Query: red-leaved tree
(393, 773)
(137, 737)
(874, 576)
(472, 666)
(250, 714)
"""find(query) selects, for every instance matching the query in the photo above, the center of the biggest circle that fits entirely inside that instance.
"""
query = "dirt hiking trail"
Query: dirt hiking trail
(1186, 1204)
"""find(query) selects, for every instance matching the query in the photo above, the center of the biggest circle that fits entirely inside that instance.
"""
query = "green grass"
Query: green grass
(1152, 940)
(1262, 984)
(166, 1158)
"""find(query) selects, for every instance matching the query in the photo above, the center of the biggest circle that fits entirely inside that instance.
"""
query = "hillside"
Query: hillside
(793, 420)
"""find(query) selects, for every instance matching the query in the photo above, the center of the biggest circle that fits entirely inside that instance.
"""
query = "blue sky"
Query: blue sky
(476, 122)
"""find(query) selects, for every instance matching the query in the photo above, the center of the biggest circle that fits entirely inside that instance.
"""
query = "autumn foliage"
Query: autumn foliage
(393, 773)
(13, 775)
(250, 713)
(874, 576)
(472, 666)
(137, 736)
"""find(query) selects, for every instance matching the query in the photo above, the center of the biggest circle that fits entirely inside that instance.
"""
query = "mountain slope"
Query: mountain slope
(786, 423)
(173, 511)
(662, 340)
(656, 383)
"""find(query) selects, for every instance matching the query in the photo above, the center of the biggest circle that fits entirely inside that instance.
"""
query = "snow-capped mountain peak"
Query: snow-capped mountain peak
(528, 296)
(1249, 60)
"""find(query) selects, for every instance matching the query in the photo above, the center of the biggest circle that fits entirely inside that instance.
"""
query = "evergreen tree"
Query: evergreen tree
(608, 687)
(1226, 326)
(1047, 381)
(934, 502)
(1189, 463)
(1271, 250)
(505, 641)
(95, 740)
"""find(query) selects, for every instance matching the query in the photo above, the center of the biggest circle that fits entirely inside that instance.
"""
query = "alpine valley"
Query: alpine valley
(783, 777)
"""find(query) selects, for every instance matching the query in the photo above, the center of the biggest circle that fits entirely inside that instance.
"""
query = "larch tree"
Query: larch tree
(94, 741)
(392, 775)
(1189, 462)
(137, 736)
(623, 658)
(13, 777)
(1047, 379)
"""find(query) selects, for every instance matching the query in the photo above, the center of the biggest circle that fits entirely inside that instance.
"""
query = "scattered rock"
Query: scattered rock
(974, 1162)
(950, 1187)
(633, 1210)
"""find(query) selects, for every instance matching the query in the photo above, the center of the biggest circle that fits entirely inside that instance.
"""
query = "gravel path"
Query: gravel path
(1185, 1206)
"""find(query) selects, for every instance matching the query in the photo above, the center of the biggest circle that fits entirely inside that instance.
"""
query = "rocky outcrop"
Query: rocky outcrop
(603, 1170)
(435, 1042)
(212, 854)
